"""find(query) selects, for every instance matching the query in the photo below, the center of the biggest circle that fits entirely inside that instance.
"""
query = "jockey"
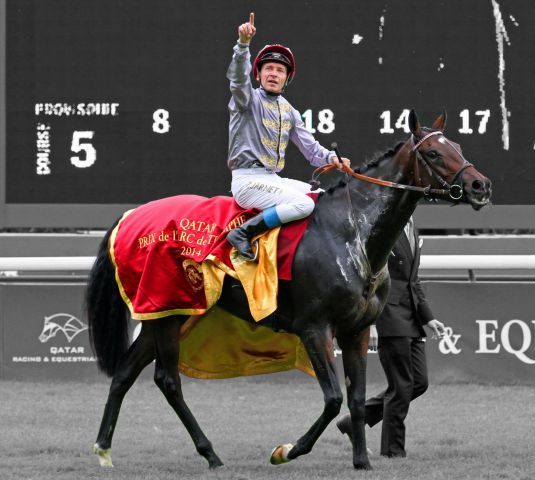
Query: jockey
(261, 123)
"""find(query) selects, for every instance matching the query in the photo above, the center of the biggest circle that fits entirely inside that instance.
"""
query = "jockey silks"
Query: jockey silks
(261, 124)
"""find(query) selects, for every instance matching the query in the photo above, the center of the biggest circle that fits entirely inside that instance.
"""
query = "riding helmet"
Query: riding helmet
(275, 53)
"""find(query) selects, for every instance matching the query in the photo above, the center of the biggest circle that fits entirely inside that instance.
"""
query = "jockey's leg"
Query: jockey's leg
(240, 238)
(282, 200)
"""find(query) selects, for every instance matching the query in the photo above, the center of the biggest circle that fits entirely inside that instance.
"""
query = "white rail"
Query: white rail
(45, 263)
(428, 262)
(476, 262)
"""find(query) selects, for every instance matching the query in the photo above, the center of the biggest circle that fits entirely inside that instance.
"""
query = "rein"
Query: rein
(454, 193)
(427, 191)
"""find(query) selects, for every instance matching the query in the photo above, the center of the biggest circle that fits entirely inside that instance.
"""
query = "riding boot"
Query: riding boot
(240, 238)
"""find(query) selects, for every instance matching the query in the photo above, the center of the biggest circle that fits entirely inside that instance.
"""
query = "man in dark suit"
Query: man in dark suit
(399, 337)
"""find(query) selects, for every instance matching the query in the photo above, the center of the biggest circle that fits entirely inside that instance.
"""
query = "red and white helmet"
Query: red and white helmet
(275, 53)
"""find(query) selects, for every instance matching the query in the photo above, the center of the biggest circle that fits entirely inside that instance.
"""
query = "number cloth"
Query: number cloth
(171, 256)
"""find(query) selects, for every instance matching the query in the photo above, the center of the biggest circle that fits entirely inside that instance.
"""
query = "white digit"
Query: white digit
(465, 116)
(484, 114)
(307, 118)
(77, 146)
(387, 126)
(325, 118)
(403, 121)
(161, 121)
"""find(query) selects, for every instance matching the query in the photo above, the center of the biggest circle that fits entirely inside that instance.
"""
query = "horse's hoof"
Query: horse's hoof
(363, 466)
(279, 454)
(104, 456)
(215, 463)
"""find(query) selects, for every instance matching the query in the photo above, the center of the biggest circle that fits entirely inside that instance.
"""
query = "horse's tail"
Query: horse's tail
(107, 314)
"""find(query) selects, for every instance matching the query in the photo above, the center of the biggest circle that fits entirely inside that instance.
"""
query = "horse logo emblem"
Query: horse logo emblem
(194, 274)
(61, 322)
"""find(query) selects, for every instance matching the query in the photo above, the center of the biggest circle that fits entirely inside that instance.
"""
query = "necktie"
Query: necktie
(409, 231)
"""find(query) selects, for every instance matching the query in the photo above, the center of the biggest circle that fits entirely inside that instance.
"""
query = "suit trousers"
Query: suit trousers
(403, 361)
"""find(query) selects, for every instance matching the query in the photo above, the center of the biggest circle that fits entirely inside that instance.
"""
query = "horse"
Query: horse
(339, 286)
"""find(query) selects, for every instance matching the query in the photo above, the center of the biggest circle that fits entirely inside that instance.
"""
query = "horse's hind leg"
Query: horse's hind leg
(166, 334)
(138, 356)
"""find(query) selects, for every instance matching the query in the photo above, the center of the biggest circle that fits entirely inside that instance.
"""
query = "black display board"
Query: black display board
(114, 103)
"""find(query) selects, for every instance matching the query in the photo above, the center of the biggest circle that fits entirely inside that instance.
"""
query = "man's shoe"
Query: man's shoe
(344, 425)
(394, 455)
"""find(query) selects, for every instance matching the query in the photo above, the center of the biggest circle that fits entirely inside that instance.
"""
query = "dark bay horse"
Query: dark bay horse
(340, 285)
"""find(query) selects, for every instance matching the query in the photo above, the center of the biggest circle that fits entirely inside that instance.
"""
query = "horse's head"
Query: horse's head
(439, 163)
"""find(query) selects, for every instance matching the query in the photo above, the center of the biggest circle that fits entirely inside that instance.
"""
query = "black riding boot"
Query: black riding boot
(240, 238)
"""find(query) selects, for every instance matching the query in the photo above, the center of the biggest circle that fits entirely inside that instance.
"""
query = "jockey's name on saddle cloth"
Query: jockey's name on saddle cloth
(171, 256)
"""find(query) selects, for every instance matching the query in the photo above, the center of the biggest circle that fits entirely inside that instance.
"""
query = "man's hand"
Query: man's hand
(437, 327)
(372, 342)
(345, 161)
(246, 31)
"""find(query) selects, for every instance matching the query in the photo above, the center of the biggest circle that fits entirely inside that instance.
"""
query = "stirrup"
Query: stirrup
(255, 258)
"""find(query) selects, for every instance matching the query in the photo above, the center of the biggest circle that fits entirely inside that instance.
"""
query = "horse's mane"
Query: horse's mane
(374, 162)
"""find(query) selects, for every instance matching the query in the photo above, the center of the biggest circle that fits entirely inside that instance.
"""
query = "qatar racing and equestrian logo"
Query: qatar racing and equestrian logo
(61, 322)
(194, 274)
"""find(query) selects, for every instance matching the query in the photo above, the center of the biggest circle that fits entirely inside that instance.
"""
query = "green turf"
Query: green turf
(453, 432)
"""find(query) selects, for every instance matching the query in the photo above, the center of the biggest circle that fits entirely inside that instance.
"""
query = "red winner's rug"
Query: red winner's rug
(171, 256)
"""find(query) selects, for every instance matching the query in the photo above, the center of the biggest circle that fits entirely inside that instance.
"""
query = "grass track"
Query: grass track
(453, 432)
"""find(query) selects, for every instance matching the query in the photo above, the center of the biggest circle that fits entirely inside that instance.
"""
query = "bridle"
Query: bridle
(453, 190)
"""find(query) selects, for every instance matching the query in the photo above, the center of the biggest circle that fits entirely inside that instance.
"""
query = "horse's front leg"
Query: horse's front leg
(320, 349)
(354, 354)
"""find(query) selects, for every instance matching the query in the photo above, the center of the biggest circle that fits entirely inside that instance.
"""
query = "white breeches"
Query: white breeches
(258, 188)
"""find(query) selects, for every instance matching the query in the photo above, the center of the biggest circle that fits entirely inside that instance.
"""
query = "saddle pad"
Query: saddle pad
(220, 345)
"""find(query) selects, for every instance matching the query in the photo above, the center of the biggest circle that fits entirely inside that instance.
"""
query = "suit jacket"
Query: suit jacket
(407, 309)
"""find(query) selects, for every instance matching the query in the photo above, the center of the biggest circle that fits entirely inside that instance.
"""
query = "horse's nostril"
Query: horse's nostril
(478, 186)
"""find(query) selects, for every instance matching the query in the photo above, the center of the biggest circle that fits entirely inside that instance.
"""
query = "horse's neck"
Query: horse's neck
(374, 214)
(383, 221)
(382, 212)
(372, 217)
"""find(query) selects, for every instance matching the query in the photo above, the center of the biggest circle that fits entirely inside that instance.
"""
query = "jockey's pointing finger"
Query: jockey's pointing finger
(251, 19)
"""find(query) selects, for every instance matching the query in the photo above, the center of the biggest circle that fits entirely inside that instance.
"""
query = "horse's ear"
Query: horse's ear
(440, 122)
(414, 123)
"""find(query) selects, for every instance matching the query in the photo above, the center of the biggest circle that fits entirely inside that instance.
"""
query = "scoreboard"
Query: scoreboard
(109, 104)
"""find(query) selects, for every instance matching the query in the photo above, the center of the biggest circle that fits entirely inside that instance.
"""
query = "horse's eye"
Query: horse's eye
(431, 154)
